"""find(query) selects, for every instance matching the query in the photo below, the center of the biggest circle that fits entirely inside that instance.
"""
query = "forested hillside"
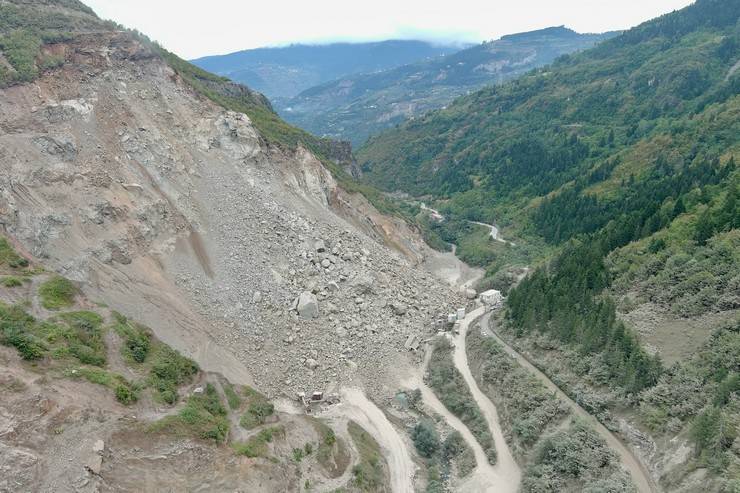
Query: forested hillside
(354, 107)
(614, 171)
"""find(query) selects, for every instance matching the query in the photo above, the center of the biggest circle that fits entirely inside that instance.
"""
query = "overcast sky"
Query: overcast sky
(193, 29)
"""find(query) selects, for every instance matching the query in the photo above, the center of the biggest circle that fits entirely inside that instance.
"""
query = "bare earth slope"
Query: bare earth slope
(175, 211)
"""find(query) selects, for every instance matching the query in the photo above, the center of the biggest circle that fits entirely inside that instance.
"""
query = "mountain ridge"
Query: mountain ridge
(285, 71)
(357, 106)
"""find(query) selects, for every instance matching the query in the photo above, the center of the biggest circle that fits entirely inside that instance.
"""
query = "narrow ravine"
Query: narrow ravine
(640, 475)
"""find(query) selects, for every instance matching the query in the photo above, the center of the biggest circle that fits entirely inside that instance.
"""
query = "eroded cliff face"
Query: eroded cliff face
(176, 212)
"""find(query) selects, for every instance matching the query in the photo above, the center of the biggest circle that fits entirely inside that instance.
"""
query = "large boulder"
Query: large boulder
(307, 305)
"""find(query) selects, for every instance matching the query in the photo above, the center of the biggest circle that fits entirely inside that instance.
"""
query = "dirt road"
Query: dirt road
(506, 467)
(640, 476)
(484, 477)
(357, 407)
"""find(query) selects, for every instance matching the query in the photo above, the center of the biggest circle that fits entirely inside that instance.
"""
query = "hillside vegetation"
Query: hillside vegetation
(614, 170)
(355, 107)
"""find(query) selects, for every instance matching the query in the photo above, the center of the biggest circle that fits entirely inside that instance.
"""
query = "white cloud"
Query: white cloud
(194, 29)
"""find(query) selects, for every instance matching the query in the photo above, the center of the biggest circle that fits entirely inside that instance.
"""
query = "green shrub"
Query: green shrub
(57, 293)
(136, 338)
(125, 394)
(425, 439)
(257, 412)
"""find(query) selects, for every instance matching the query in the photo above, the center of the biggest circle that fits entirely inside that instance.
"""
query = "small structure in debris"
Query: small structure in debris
(492, 298)
(412, 342)
(451, 318)
(460, 313)
(316, 398)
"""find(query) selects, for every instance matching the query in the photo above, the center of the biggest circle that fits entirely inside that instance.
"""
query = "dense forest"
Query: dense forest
(615, 172)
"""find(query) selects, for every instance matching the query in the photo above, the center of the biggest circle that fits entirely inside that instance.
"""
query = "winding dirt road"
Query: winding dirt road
(506, 467)
(640, 475)
(484, 477)
(356, 406)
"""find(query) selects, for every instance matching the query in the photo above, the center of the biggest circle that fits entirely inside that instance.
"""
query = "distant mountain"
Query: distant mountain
(286, 71)
(357, 106)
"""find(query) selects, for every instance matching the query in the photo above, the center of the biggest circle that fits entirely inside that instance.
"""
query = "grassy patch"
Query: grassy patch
(11, 281)
(17, 330)
(203, 416)
(125, 391)
(169, 370)
(256, 446)
(8, 257)
(57, 293)
(259, 409)
(136, 339)
(369, 473)
(78, 334)
(232, 397)
(450, 387)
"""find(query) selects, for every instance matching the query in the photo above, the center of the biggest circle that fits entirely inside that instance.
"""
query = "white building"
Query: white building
(492, 297)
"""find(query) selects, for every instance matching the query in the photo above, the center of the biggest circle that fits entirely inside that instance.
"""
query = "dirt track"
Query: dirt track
(506, 469)
(356, 406)
(640, 476)
(484, 477)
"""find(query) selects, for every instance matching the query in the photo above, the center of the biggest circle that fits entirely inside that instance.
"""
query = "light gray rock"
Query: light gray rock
(307, 305)
(399, 308)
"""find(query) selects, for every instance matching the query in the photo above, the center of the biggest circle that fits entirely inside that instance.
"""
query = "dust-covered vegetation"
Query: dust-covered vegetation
(703, 395)
(575, 459)
(442, 455)
(204, 416)
(257, 445)
(526, 407)
(450, 387)
(370, 472)
(558, 455)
